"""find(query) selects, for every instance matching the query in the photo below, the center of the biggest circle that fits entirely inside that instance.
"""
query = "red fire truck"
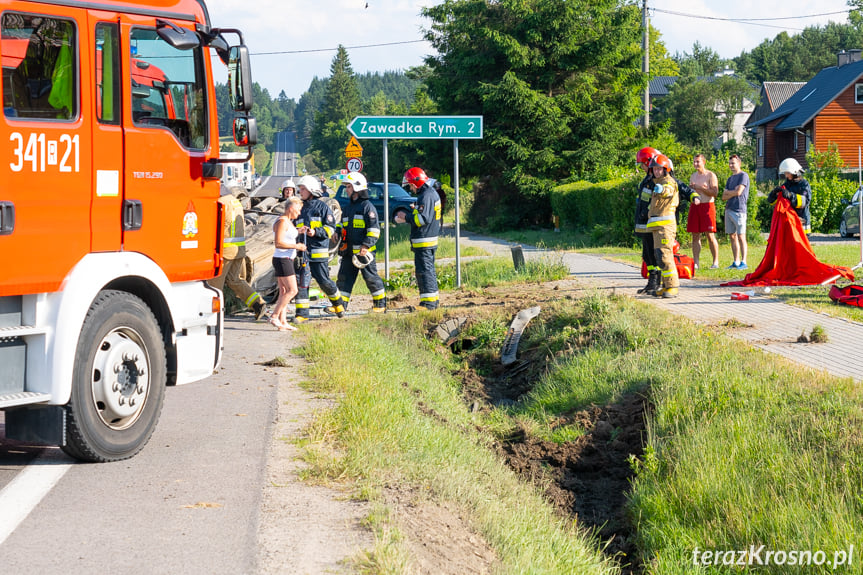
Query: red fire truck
(109, 219)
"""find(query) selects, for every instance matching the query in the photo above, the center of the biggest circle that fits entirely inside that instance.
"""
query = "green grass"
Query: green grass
(400, 245)
(401, 421)
(742, 448)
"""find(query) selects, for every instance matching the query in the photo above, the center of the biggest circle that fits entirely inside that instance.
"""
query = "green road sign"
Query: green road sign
(417, 127)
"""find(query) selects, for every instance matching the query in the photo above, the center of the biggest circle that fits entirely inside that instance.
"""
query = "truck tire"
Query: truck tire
(118, 381)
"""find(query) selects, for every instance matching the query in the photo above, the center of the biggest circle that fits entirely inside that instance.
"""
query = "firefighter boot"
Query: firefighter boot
(259, 308)
(337, 308)
(669, 292)
(652, 283)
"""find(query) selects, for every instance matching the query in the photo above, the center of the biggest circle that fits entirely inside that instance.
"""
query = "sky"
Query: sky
(297, 25)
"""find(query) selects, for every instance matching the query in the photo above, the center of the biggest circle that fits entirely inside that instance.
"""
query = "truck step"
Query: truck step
(21, 331)
(23, 398)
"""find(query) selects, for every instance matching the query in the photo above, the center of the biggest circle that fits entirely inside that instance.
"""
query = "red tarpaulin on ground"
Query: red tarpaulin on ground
(789, 259)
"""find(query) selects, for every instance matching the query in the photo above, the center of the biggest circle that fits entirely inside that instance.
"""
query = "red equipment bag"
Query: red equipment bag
(849, 295)
(685, 267)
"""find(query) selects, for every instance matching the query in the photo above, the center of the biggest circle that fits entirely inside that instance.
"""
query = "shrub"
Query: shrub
(605, 210)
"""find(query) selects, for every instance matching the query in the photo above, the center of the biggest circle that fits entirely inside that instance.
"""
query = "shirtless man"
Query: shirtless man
(702, 212)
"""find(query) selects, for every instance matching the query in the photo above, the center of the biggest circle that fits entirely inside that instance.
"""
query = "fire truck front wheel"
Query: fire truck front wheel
(119, 378)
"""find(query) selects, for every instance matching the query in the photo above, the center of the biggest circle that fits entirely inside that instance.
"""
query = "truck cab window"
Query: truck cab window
(108, 73)
(168, 88)
(40, 67)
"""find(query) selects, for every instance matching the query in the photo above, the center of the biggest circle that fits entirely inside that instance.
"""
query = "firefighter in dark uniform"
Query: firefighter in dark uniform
(360, 229)
(317, 224)
(795, 189)
(425, 228)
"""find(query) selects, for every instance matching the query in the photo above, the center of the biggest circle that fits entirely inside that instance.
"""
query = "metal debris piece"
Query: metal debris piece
(449, 330)
(510, 344)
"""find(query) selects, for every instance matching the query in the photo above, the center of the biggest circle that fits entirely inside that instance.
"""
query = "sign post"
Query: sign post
(385, 128)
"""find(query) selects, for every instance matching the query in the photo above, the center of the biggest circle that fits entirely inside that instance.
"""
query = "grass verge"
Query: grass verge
(742, 449)
(401, 420)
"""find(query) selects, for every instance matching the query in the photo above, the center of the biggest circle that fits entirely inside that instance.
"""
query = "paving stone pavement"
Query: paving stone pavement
(773, 326)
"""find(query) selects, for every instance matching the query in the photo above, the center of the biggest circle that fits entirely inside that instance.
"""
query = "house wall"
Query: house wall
(841, 121)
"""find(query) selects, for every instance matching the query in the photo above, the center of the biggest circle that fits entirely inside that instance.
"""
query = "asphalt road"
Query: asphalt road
(188, 503)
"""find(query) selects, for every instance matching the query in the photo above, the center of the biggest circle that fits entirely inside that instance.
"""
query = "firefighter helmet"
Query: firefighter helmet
(644, 156)
(361, 261)
(357, 180)
(287, 184)
(662, 161)
(312, 184)
(415, 176)
(790, 165)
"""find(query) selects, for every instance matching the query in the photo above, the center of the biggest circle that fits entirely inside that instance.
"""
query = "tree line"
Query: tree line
(560, 87)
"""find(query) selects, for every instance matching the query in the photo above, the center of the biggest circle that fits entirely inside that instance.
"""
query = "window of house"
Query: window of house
(858, 93)
(794, 141)
(760, 146)
(808, 139)
(40, 67)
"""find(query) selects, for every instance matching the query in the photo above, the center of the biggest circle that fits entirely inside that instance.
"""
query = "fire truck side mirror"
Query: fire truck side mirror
(240, 79)
(245, 132)
(179, 38)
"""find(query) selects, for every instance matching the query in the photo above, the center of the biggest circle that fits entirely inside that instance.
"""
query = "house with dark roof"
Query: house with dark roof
(827, 109)
(773, 95)
(661, 85)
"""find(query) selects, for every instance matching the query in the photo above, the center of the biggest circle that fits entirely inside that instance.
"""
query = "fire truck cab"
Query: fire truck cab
(109, 215)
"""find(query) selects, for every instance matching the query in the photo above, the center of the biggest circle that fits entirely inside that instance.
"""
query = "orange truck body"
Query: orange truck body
(102, 193)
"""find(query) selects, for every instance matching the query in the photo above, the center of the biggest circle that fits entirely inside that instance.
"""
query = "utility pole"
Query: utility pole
(646, 67)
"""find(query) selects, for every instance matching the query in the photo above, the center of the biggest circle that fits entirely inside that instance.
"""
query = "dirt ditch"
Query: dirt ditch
(587, 478)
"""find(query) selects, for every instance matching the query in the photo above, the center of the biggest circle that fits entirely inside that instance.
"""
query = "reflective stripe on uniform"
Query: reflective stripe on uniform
(380, 294)
(424, 242)
(357, 249)
(359, 221)
(251, 299)
(235, 241)
(346, 295)
(660, 221)
(434, 296)
(320, 253)
(374, 232)
(645, 196)
(301, 303)
(668, 273)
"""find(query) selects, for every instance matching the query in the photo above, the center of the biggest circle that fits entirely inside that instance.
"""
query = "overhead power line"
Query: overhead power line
(752, 21)
(334, 49)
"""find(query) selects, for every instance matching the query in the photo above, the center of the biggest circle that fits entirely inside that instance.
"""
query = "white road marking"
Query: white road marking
(23, 494)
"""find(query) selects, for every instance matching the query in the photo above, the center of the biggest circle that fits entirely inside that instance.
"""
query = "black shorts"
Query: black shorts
(284, 267)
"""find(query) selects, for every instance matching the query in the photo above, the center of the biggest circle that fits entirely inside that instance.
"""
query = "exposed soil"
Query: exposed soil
(587, 478)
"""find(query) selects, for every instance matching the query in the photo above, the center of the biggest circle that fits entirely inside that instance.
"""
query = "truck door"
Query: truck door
(107, 134)
(46, 142)
(169, 212)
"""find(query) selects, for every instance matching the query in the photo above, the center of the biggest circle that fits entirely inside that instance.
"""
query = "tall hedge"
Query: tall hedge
(605, 209)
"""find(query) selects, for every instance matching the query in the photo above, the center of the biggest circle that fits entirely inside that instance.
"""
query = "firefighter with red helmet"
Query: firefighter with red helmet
(361, 232)
(662, 223)
(425, 228)
(316, 224)
(642, 203)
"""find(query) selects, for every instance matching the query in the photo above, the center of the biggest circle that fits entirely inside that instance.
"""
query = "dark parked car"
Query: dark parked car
(400, 200)
(850, 223)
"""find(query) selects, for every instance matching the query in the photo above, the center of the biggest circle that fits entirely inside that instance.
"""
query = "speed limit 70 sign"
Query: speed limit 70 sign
(354, 165)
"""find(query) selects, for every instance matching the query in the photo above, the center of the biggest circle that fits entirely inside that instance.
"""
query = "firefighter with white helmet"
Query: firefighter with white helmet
(316, 225)
(425, 229)
(795, 189)
(288, 188)
(234, 253)
(662, 222)
(362, 229)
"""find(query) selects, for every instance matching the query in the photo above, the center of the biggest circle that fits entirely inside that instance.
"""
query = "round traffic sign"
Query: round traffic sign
(354, 165)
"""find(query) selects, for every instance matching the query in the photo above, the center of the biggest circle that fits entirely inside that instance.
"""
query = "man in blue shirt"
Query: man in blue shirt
(736, 194)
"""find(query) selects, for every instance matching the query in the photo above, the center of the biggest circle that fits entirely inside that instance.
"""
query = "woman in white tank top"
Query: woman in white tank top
(283, 261)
